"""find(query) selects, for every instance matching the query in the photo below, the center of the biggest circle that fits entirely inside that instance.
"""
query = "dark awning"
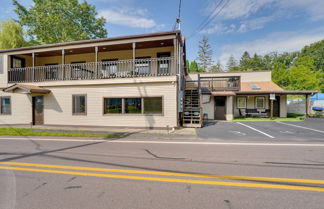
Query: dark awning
(27, 89)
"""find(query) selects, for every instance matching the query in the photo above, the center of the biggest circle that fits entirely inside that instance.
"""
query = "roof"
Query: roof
(146, 35)
(268, 87)
(263, 86)
(27, 88)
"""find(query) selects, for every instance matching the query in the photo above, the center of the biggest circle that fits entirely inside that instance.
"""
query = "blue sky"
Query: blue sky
(258, 26)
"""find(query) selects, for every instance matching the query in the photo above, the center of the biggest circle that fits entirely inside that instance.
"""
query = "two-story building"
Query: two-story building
(129, 81)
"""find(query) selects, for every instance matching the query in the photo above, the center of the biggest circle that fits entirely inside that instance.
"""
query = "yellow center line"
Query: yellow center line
(190, 181)
(263, 179)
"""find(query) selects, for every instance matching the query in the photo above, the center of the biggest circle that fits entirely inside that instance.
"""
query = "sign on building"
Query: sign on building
(272, 96)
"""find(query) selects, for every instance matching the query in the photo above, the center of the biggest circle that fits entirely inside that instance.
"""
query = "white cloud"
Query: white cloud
(134, 18)
(276, 42)
(246, 12)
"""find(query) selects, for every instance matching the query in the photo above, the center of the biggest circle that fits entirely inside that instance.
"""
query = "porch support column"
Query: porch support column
(33, 63)
(175, 47)
(96, 68)
(307, 105)
(271, 108)
(134, 56)
(62, 66)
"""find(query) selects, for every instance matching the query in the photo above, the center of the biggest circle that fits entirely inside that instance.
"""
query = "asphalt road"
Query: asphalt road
(160, 174)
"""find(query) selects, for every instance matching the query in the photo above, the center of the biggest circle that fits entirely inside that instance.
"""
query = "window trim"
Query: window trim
(132, 114)
(237, 102)
(264, 102)
(23, 61)
(86, 105)
(10, 105)
(103, 105)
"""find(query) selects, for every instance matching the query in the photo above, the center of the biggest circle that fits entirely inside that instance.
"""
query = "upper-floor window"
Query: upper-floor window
(79, 104)
(142, 65)
(5, 105)
(17, 62)
(164, 65)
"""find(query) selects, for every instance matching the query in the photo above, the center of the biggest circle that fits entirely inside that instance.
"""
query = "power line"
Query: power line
(210, 18)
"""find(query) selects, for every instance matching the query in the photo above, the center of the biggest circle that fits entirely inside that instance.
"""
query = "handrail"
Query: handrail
(94, 70)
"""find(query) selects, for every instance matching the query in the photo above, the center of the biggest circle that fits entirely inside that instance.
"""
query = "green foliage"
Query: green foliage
(60, 21)
(195, 68)
(315, 50)
(11, 35)
(217, 68)
(205, 54)
(232, 64)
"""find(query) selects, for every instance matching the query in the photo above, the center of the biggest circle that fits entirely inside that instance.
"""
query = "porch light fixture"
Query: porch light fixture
(162, 43)
(104, 48)
(71, 51)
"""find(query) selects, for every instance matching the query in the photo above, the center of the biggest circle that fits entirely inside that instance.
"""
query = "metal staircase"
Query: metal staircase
(192, 108)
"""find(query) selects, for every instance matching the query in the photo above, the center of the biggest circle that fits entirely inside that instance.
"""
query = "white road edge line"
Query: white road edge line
(288, 124)
(175, 142)
(254, 129)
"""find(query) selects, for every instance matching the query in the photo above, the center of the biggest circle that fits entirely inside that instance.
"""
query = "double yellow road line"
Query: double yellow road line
(267, 182)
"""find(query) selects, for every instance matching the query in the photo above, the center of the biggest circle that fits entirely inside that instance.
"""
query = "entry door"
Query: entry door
(38, 110)
(220, 108)
(276, 107)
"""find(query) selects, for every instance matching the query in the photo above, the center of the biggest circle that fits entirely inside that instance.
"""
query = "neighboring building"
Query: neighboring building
(129, 81)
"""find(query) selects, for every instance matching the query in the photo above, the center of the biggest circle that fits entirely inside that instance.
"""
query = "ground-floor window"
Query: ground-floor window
(241, 102)
(138, 105)
(153, 105)
(5, 105)
(79, 104)
(112, 105)
(260, 102)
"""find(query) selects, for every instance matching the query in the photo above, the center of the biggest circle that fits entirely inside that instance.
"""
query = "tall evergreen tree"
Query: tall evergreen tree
(217, 68)
(205, 54)
(232, 64)
(245, 62)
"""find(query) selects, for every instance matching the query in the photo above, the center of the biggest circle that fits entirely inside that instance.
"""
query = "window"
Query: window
(241, 102)
(153, 105)
(260, 102)
(17, 62)
(112, 105)
(164, 64)
(142, 65)
(109, 67)
(133, 105)
(51, 71)
(79, 104)
(5, 106)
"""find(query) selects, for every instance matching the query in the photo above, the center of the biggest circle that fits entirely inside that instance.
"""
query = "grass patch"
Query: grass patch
(290, 117)
(38, 132)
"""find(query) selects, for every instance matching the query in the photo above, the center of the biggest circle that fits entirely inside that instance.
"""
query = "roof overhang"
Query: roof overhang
(28, 89)
(278, 92)
(223, 93)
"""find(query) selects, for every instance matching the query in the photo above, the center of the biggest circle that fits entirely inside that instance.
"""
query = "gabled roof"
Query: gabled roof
(27, 89)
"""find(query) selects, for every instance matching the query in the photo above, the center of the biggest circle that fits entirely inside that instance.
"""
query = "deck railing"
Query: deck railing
(215, 84)
(94, 70)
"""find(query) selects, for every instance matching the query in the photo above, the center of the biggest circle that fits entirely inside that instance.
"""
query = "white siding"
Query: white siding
(21, 109)
(58, 105)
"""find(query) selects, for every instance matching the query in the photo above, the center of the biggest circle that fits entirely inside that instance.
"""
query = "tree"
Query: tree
(193, 67)
(205, 54)
(302, 75)
(60, 21)
(232, 64)
(11, 35)
(245, 61)
(217, 68)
